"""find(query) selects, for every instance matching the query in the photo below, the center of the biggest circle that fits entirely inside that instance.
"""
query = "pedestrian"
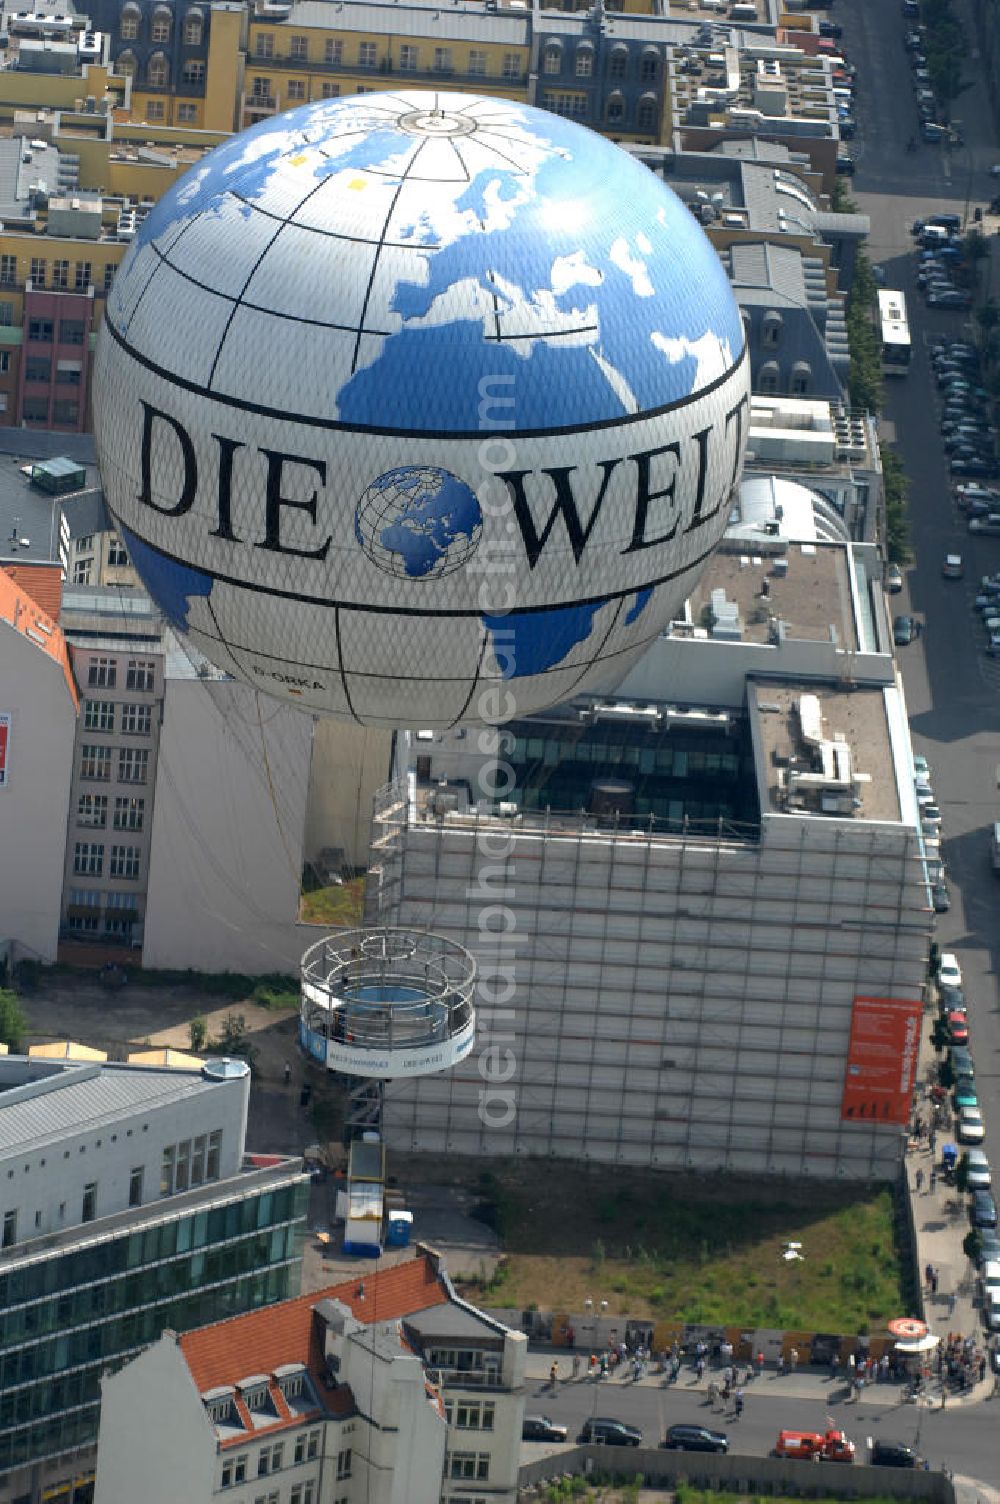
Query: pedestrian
(554, 1377)
(739, 1403)
(929, 1275)
(982, 1367)
(793, 1359)
(918, 1181)
(934, 1281)
(576, 1365)
(288, 1073)
(933, 1182)
(760, 1362)
(780, 1365)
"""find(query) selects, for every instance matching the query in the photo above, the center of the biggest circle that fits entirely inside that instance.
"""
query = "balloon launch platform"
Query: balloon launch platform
(386, 1003)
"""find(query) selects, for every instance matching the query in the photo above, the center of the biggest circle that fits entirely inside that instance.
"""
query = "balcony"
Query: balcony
(385, 68)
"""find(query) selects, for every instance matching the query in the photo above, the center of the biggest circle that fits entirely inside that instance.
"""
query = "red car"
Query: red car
(958, 1028)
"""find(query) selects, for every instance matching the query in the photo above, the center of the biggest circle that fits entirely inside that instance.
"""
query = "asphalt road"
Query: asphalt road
(960, 1437)
(952, 688)
(953, 695)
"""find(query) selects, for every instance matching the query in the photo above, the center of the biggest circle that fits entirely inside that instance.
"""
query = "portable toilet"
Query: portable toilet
(399, 1230)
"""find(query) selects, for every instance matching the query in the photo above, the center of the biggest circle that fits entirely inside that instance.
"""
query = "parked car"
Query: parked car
(892, 1454)
(958, 1027)
(940, 897)
(540, 1428)
(952, 568)
(971, 1129)
(846, 164)
(902, 630)
(930, 818)
(988, 526)
(893, 579)
(949, 972)
(830, 29)
(833, 1447)
(921, 766)
(691, 1438)
(989, 1247)
(978, 1178)
(611, 1433)
(965, 1094)
(982, 1209)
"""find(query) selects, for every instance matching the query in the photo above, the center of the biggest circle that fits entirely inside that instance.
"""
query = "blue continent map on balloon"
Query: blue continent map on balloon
(429, 511)
(169, 583)
(592, 303)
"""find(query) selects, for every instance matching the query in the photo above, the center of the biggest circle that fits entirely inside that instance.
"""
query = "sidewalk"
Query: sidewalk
(803, 1384)
(940, 1223)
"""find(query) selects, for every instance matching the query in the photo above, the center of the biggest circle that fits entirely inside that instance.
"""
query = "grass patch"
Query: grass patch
(693, 1249)
(274, 990)
(338, 907)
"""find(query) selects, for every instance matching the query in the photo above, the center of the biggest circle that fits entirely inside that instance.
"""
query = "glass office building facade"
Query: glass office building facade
(97, 1295)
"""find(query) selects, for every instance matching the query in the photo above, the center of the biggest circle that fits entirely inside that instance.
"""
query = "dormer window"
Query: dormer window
(219, 1406)
(291, 1387)
(255, 1399)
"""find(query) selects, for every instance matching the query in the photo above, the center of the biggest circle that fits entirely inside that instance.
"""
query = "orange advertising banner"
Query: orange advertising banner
(881, 1059)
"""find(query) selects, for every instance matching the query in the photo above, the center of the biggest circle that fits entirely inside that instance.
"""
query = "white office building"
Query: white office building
(384, 1389)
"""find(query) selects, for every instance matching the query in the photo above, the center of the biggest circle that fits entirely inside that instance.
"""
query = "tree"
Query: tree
(962, 1174)
(12, 1021)
(972, 1245)
(198, 1030)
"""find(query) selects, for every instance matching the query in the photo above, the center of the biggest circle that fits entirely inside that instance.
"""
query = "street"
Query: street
(953, 695)
(959, 1437)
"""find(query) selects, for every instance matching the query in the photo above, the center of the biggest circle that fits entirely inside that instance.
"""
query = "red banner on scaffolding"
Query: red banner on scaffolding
(881, 1060)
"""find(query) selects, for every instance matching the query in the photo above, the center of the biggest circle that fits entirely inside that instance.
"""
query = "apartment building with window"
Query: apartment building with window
(38, 712)
(318, 51)
(384, 1389)
(127, 1206)
(111, 794)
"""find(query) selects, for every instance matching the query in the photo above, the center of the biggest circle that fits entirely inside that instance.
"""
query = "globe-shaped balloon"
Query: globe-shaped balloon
(421, 409)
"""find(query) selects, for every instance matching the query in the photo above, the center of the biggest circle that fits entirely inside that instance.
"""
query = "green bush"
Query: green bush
(12, 1021)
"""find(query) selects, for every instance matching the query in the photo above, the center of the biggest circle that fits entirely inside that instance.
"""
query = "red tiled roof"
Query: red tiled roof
(21, 611)
(43, 582)
(263, 1340)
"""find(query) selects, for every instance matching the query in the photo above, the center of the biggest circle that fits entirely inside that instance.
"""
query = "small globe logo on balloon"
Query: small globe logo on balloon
(418, 522)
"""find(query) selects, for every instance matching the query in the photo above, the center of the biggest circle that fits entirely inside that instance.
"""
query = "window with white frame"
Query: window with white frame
(160, 29)
(512, 65)
(367, 54)
(298, 47)
(139, 674)
(296, 88)
(95, 762)
(264, 45)
(133, 764)
(129, 813)
(101, 673)
(117, 553)
(92, 809)
(192, 29)
(477, 62)
(552, 60)
(187, 114)
(82, 570)
(584, 62)
(88, 857)
(136, 719)
(333, 51)
(473, 1465)
(99, 715)
(442, 60)
(343, 1464)
(408, 56)
(124, 861)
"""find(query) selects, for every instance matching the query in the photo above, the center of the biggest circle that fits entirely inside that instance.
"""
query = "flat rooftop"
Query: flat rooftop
(854, 718)
(810, 592)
